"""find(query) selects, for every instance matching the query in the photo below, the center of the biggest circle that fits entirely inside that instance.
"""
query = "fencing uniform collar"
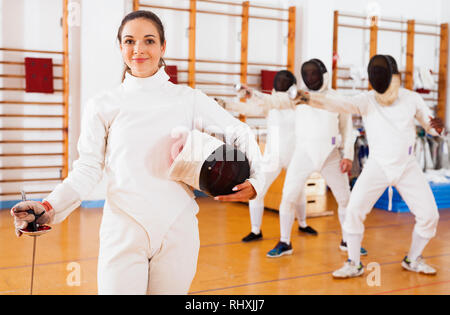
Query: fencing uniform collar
(153, 82)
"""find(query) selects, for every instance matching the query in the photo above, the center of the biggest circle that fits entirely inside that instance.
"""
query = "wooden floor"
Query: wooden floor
(228, 266)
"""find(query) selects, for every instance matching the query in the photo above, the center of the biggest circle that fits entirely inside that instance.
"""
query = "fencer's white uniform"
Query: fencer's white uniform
(391, 135)
(313, 147)
(319, 134)
(279, 147)
(280, 143)
(149, 234)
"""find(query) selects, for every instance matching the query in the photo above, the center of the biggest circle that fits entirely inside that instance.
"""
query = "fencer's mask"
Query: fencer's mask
(384, 78)
(284, 80)
(208, 164)
(315, 75)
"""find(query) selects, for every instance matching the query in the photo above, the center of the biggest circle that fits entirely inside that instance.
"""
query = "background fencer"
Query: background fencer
(319, 135)
(149, 240)
(278, 150)
(388, 113)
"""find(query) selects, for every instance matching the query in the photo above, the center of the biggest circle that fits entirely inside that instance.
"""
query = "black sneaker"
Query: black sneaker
(308, 230)
(252, 237)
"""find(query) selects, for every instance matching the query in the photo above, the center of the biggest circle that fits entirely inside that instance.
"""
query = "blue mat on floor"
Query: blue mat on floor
(441, 193)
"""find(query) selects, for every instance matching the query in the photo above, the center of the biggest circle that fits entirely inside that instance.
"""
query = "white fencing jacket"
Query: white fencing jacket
(319, 131)
(279, 110)
(260, 104)
(126, 135)
(391, 130)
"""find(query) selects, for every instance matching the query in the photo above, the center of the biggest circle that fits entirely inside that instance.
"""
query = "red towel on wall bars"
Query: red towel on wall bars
(172, 71)
(267, 77)
(39, 75)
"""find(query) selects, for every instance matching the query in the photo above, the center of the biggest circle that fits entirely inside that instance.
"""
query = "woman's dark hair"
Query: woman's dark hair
(150, 16)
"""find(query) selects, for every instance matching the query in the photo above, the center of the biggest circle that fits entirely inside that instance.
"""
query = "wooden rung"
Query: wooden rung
(268, 18)
(354, 26)
(266, 64)
(31, 129)
(163, 7)
(427, 34)
(218, 72)
(29, 180)
(221, 2)
(30, 154)
(219, 13)
(214, 83)
(218, 61)
(29, 167)
(28, 193)
(17, 76)
(30, 116)
(427, 24)
(392, 30)
(353, 16)
(18, 63)
(31, 141)
(175, 59)
(269, 8)
(23, 89)
(33, 51)
(30, 103)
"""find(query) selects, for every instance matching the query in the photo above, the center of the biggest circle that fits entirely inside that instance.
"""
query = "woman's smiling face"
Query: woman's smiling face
(141, 47)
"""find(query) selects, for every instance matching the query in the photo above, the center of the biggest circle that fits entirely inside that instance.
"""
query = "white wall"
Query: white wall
(96, 62)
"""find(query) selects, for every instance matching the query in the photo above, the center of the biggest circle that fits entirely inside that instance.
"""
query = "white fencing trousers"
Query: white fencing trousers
(256, 206)
(299, 170)
(411, 185)
(125, 265)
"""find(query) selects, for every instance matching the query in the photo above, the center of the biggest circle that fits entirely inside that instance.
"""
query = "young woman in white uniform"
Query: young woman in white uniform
(318, 136)
(389, 113)
(149, 239)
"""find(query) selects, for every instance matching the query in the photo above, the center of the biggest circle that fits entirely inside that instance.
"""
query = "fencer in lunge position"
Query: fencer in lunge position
(319, 136)
(149, 240)
(280, 143)
(388, 113)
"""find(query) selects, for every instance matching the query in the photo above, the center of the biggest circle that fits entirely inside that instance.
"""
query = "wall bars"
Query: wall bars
(29, 147)
(438, 97)
(246, 16)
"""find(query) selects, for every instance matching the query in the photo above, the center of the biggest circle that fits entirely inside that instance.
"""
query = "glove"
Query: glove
(437, 124)
(243, 91)
(302, 97)
(44, 212)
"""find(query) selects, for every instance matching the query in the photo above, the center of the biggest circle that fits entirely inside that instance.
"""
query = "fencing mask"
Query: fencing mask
(315, 75)
(283, 80)
(208, 164)
(384, 78)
